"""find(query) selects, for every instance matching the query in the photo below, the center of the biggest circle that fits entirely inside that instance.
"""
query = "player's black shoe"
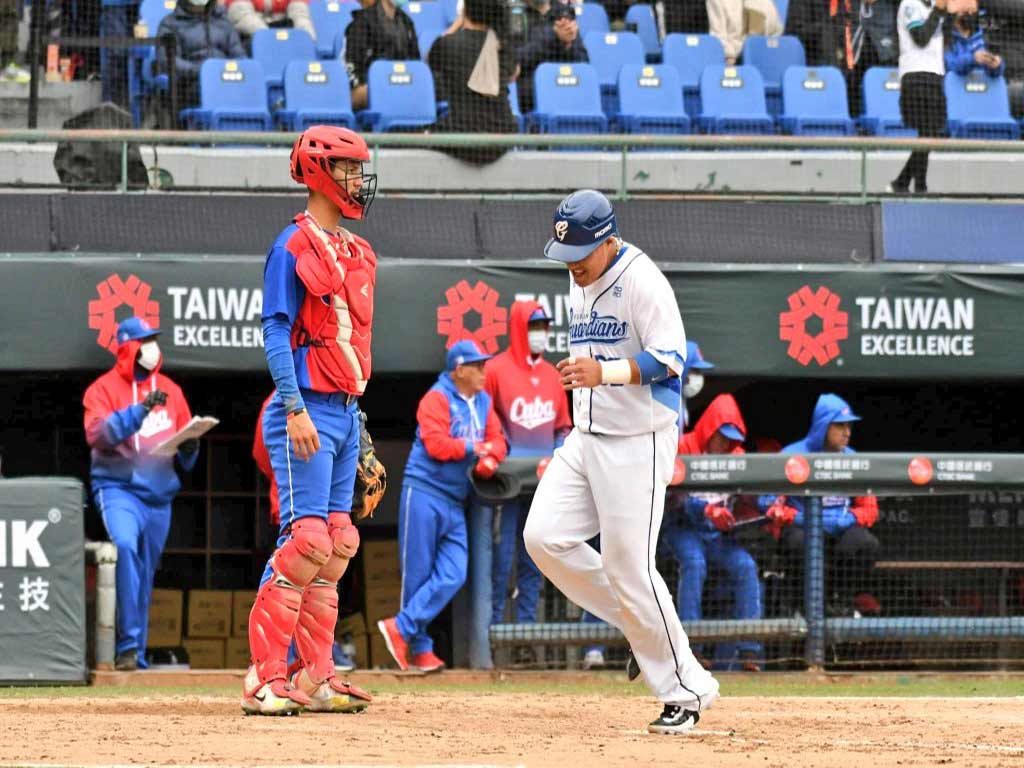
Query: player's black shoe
(128, 661)
(674, 720)
(632, 668)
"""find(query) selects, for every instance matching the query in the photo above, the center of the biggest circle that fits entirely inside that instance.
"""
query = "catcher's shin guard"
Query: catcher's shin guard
(274, 614)
(318, 614)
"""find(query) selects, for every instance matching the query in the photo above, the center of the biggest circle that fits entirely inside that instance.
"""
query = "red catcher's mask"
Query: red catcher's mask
(313, 158)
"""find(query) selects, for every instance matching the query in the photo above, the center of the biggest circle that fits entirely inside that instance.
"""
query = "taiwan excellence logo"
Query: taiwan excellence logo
(468, 303)
(799, 326)
(113, 294)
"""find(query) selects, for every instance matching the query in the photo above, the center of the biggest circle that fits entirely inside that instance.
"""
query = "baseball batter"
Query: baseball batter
(627, 346)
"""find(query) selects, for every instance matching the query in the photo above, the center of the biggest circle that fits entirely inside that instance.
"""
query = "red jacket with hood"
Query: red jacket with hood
(527, 392)
(121, 434)
(262, 458)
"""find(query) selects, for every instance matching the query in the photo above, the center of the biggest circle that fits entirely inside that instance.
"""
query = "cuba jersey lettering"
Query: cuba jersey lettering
(630, 309)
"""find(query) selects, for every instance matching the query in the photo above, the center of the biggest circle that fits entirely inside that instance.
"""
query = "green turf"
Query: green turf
(613, 685)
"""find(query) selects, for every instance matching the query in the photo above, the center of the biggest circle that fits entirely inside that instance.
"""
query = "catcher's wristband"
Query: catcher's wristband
(295, 413)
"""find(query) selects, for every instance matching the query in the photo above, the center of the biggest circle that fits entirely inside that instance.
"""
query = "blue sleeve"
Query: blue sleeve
(693, 511)
(120, 425)
(651, 369)
(277, 344)
(959, 59)
(836, 523)
(998, 71)
(283, 294)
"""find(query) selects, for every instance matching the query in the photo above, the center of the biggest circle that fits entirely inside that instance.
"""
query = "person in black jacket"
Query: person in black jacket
(558, 41)
(381, 30)
(202, 32)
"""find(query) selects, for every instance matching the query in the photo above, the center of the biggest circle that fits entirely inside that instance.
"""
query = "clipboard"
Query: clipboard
(197, 427)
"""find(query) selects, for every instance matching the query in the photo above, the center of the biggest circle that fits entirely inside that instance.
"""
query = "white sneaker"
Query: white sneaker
(593, 659)
(267, 701)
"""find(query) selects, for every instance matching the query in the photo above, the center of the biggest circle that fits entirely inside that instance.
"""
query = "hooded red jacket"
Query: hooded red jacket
(121, 434)
(722, 410)
(527, 391)
(262, 458)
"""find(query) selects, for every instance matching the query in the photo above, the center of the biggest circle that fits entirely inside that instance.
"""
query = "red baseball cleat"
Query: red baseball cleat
(397, 646)
(427, 662)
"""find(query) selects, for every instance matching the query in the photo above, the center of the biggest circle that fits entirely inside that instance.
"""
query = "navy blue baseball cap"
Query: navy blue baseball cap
(694, 358)
(135, 328)
(732, 432)
(463, 352)
(538, 314)
(583, 221)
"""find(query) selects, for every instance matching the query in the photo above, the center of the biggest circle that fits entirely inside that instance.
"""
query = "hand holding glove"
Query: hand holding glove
(865, 509)
(720, 517)
(485, 467)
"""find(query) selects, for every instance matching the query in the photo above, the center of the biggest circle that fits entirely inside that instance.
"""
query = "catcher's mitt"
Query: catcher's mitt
(371, 477)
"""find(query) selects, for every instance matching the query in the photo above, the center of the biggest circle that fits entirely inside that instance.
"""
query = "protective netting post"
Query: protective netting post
(480, 559)
(105, 555)
(814, 584)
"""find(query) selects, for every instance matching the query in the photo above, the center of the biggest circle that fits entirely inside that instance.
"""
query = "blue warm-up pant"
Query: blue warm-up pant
(434, 555)
(511, 519)
(695, 552)
(139, 531)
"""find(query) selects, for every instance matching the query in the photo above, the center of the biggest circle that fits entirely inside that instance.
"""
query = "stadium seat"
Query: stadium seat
(232, 97)
(733, 101)
(451, 11)
(513, 100)
(426, 15)
(568, 99)
(978, 107)
(814, 102)
(591, 17)
(651, 99)
(641, 16)
(689, 54)
(315, 92)
(881, 88)
(772, 56)
(608, 52)
(273, 49)
(329, 18)
(782, 6)
(425, 39)
(142, 82)
(401, 96)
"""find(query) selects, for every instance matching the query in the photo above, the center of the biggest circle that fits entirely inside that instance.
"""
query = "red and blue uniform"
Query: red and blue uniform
(432, 519)
(133, 489)
(534, 413)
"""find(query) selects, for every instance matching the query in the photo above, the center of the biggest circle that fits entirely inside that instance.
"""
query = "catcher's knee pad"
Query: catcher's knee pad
(344, 544)
(278, 602)
(314, 633)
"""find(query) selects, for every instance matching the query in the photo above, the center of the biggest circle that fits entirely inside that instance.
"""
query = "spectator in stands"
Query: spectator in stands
(1005, 37)
(457, 429)
(851, 548)
(472, 69)
(693, 378)
(9, 15)
(558, 40)
(381, 30)
(732, 20)
(698, 535)
(922, 97)
(967, 49)
(202, 32)
(117, 20)
(248, 16)
(129, 411)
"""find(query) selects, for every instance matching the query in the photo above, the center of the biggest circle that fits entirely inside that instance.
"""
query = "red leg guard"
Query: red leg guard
(318, 615)
(276, 610)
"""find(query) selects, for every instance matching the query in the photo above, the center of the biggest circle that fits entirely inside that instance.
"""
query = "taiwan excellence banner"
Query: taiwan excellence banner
(59, 313)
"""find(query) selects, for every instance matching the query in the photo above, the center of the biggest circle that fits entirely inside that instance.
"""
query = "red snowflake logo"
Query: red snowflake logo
(463, 299)
(115, 293)
(822, 347)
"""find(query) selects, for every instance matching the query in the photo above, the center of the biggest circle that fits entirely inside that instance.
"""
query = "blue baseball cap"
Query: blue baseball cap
(694, 358)
(582, 222)
(538, 314)
(463, 352)
(846, 414)
(732, 432)
(135, 328)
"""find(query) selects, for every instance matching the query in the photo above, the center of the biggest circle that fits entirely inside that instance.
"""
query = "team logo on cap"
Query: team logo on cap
(561, 228)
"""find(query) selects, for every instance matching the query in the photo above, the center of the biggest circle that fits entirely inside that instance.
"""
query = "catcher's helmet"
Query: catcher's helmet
(583, 221)
(312, 160)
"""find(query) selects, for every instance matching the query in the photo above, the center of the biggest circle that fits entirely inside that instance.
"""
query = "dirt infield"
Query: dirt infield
(424, 727)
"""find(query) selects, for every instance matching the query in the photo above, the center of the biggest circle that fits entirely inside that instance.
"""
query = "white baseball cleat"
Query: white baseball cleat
(593, 659)
(274, 698)
(335, 696)
(678, 719)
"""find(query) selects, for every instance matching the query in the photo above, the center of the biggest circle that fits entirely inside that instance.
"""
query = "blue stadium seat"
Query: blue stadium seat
(142, 82)
(882, 116)
(451, 11)
(642, 15)
(329, 18)
(608, 52)
(689, 54)
(273, 49)
(733, 101)
(568, 99)
(814, 102)
(513, 100)
(401, 96)
(773, 56)
(425, 39)
(651, 99)
(782, 6)
(978, 107)
(591, 17)
(232, 97)
(426, 15)
(315, 92)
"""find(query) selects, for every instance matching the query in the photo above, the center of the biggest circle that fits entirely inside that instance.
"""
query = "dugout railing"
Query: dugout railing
(888, 476)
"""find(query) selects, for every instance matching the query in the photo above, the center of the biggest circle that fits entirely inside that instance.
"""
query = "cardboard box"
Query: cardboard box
(354, 625)
(380, 656)
(380, 563)
(205, 652)
(381, 602)
(236, 654)
(209, 613)
(165, 618)
(241, 605)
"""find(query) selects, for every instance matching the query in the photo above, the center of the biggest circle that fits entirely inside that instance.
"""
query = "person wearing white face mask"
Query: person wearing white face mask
(693, 378)
(129, 410)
